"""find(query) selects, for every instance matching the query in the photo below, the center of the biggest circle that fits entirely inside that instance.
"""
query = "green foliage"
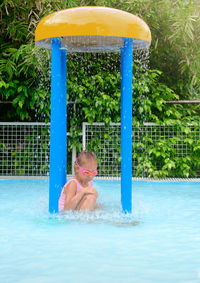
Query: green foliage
(175, 48)
(26, 157)
(158, 151)
(19, 82)
(175, 28)
(159, 159)
(149, 88)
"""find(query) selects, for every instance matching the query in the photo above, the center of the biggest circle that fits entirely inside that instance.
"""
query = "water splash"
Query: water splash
(112, 217)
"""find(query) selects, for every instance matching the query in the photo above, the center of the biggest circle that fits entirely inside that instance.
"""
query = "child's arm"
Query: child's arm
(73, 199)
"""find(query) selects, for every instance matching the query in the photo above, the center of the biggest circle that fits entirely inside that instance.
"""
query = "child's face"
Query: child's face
(89, 165)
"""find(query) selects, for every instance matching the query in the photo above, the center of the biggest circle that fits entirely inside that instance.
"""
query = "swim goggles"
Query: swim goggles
(86, 172)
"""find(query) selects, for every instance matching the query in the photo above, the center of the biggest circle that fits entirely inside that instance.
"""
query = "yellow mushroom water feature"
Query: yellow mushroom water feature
(89, 29)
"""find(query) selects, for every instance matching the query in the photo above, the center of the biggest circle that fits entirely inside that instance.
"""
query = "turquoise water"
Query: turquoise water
(159, 242)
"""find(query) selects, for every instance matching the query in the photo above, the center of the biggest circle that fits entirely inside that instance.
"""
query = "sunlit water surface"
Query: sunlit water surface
(158, 242)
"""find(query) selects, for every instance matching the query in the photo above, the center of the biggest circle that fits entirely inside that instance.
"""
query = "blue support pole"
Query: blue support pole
(58, 129)
(126, 124)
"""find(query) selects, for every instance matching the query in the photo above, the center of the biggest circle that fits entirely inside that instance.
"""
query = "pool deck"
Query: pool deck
(105, 178)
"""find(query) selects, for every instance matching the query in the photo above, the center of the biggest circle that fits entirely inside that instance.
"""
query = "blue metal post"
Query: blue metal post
(58, 129)
(126, 124)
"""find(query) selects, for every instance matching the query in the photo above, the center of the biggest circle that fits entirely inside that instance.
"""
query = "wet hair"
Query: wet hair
(86, 155)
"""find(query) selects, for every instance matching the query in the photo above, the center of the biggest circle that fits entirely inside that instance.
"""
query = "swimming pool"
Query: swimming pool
(159, 242)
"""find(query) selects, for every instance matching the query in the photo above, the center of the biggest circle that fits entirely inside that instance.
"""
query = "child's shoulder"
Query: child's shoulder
(73, 180)
(71, 184)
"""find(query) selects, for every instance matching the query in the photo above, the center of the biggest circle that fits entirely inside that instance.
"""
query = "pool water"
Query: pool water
(158, 242)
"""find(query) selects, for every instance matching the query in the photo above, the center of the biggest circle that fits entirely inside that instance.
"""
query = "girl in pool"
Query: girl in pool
(78, 193)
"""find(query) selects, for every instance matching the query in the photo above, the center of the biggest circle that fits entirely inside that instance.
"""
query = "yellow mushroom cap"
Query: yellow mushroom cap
(92, 29)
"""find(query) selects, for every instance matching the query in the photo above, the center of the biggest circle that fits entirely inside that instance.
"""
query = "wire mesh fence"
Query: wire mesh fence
(24, 149)
(158, 150)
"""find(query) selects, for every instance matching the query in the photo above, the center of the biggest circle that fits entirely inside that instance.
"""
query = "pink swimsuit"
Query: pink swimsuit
(63, 195)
